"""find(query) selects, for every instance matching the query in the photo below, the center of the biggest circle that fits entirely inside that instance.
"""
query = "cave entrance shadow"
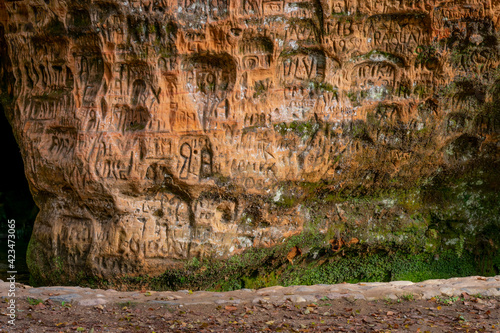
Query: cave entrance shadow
(16, 203)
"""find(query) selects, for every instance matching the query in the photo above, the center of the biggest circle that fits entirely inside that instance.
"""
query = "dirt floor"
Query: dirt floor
(465, 313)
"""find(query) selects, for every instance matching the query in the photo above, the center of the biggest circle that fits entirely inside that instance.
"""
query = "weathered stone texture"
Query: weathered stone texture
(158, 131)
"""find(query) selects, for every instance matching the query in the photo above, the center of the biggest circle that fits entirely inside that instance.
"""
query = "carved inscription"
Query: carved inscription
(372, 74)
(151, 130)
(195, 158)
(75, 239)
(308, 66)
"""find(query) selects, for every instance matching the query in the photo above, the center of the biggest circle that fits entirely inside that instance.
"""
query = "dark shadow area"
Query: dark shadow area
(16, 203)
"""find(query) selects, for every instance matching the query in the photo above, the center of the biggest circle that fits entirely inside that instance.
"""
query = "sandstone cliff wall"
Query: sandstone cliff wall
(154, 132)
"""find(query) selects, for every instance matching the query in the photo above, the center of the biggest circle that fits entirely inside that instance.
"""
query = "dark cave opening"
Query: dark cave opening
(16, 203)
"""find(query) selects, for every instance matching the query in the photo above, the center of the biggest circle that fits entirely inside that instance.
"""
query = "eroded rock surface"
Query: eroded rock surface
(154, 132)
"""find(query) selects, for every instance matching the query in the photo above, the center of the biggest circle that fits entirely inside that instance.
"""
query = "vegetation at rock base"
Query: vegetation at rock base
(258, 268)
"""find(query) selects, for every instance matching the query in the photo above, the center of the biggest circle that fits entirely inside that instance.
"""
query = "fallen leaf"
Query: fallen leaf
(353, 241)
(390, 313)
(295, 251)
(231, 308)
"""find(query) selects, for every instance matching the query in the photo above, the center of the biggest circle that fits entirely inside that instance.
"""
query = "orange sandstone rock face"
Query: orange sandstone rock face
(158, 131)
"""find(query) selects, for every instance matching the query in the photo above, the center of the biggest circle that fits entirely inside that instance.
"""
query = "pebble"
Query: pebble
(295, 299)
(92, 302)
(222, 301)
